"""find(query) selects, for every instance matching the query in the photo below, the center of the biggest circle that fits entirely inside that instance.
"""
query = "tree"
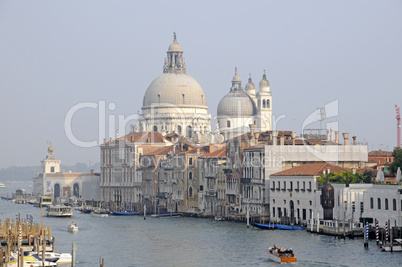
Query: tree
(397, 154)
(340, 178)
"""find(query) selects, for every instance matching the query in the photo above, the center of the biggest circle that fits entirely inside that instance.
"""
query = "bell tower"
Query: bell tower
(264, 105)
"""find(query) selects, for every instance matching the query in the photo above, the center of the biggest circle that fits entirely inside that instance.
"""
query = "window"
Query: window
(273, 184)
(201, 188)
(51, 169)
(291, 186)
(379, 203)
(371, 203)
(189, 131)
(394, 204)
(267, 103)
(284, 185)
(179, 130)
(273, 212)
(311, 202)
(304, 186)
(190, 175)
(263, 103)
(309, 186)
(190, 192)
(228, 124)
(155, 129)
(190, 161)
(386, 204)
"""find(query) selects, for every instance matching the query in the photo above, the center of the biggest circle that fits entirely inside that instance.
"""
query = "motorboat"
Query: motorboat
(58, 258)
(72, 227)
(100, 213)
(395, 247)
(29, 261)
(281, 255)
(59, 211)
(219, 218)
(2, 185)
(167, 215)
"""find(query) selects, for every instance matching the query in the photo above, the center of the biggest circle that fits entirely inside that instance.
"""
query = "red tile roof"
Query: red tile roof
(380, 153)
(311, 169)
(221, 153)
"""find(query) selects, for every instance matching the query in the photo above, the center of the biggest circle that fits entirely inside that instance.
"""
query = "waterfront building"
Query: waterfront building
(293, 197)
(212, 190)
(120, 183)
(64, 186)
(175, 102)
(253, 181)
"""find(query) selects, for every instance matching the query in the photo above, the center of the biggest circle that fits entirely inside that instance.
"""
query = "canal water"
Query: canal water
(133, 241)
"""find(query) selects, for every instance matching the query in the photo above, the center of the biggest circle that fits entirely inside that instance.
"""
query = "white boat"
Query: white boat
(2, 185)
(59, 211)
(58, 258)
(281, 255)
(72, 227)
(29, 261)
(99, 213)
(396, 246)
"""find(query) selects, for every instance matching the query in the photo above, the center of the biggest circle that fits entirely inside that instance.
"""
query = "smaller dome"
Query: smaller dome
(236, 78)
(236, 104)
(175, 47)
(250, 85)
(264, 84)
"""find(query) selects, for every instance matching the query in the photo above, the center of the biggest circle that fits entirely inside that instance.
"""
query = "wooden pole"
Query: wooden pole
(74, 248)
(1, 257)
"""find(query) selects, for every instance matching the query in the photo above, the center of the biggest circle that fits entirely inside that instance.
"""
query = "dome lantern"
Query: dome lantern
(174, 62)
(264, 84)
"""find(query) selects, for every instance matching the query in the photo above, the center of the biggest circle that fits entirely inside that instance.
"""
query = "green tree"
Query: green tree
(340, 178)
(397, 154)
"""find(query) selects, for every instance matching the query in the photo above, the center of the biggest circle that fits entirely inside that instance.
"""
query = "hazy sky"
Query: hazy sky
(57, 54)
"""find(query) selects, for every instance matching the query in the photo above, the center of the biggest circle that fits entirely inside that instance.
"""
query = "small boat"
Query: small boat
(395, 247)
(281, 255)
(59, 211)
(99, 213)
(167, 215)
(265, 226)
(2, 185)
(72, 227)
(289, 227)
(58, 258)
(219, 218)
(123, 213)
(29, 261)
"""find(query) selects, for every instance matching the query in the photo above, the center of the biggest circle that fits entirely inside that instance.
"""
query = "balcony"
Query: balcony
(230, 192)
(210, 193)
(211, 175)
(278, 189)
(272, 189)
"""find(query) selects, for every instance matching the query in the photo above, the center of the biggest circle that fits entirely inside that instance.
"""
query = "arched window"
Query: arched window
(179, 130)
(263, 103)
(371, 203)
(379, 203)
(190, 192)
(190, 175)
(76, 190)
(189, 131)
(394, 204)
(56, 190)
(268, 103)
(155, 128)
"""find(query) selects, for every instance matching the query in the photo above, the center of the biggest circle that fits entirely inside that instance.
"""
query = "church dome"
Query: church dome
(264, 84)
(236, 104)
(179, 89)
(174, 86)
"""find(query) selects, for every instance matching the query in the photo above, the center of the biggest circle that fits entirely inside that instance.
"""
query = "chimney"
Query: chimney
(332, 135)
(252, 128)
(354, 140)
(346, 138)
(104, 140)
(274, 138)
(337, 137)
(282, 140)
(111, 140)
(328, 136)
(294, 138)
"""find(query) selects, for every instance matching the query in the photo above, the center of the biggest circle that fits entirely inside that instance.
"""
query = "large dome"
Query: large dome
(236, 104)
(179, 89)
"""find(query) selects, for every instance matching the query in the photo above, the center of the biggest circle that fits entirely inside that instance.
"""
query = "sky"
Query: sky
(57, 57)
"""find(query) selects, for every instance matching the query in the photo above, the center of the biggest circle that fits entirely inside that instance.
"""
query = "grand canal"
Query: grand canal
(133, 241)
